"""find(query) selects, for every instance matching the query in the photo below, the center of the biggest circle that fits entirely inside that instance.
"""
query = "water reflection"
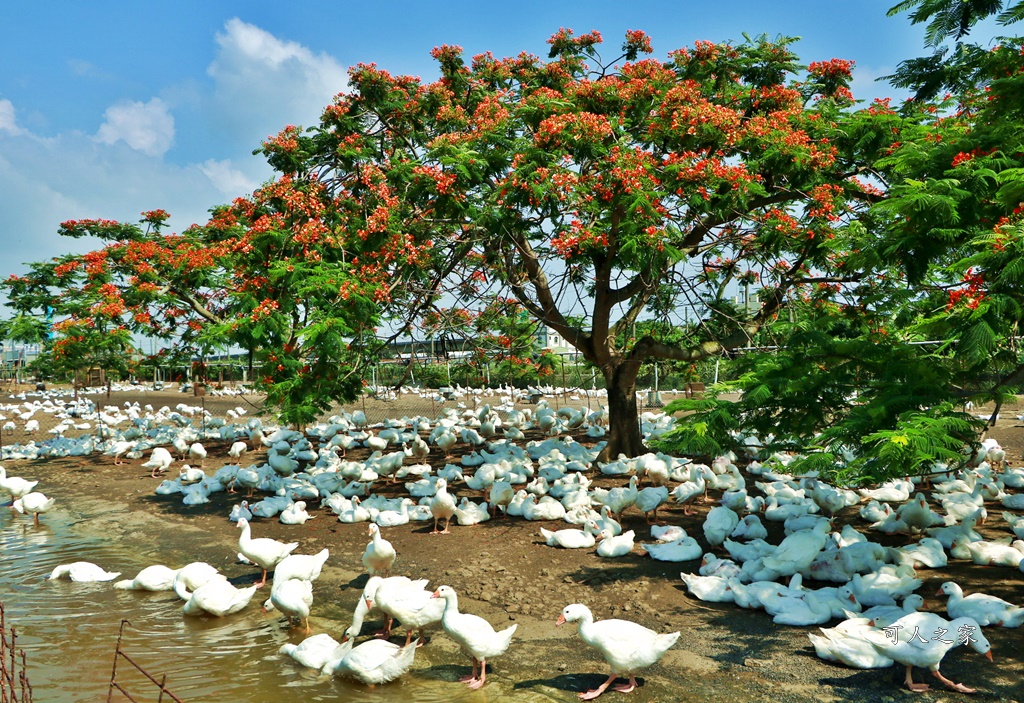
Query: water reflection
(69, 631)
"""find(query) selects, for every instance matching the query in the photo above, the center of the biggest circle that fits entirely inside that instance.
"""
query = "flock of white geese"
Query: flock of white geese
(873, 598)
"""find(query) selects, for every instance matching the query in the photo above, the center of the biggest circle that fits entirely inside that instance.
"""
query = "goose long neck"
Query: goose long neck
(586, 622)
(358, 616)
(181, 589)
(451, 604)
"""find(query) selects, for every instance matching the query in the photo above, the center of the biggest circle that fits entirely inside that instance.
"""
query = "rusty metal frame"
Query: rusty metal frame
(14, 685)
(120, 653)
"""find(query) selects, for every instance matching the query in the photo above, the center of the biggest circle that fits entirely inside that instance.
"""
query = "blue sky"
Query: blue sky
(111, 108)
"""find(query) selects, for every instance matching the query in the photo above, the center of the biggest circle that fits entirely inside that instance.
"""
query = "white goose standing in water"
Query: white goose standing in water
(263, 551)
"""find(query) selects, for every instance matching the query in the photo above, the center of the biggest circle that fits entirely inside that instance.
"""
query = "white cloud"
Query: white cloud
(74, 176)
(228, 179)
(259, 84)
(8, 123)
(263, 83)
(145, 127)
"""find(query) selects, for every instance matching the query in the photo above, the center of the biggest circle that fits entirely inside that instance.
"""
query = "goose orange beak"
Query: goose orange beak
(560, 620)
(988, 655)
(435, 594)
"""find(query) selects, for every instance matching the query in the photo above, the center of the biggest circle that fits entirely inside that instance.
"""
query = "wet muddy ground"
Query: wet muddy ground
(504, 572)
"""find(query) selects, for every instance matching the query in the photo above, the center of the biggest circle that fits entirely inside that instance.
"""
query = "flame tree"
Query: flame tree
(598, 193)
(594, 193)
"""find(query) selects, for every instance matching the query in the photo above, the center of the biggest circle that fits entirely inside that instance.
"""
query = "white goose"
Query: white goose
(394, 518)
(617, 546)
(750, 527)
(354, 512)
(302, 566)
(316, 651)
(152, 578)
(373, 662)
(293, 597)
(295, 514)
(895, 491)
(797, 551)
(15, 485)
(547, 508)
(571, 538)
(684, 548)
(885, 615)
(885, 585)
(1016, 523)
(469, 513)
(475, 635)
(442, 505)
(379, 555)
(82, 572)
(711, 589)
(263, 551)
(911, 652)
(847, 645)
(988, 553)
(719, 524)
(160, 460)
(218, 597)
(192, 576)
(626, 646)
(619, 498)
(687, 491)
(946, 535)
(411, 604)
(649, 500)
(986, 609)
(926, 552)
(607, 523)
(33, 502)
(240, 510)
(801, 610)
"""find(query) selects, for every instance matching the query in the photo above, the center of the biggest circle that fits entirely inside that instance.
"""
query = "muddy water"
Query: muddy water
(69, 631)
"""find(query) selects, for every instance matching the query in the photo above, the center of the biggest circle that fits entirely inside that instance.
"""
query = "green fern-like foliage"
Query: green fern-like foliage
(708, 427)
(920, 440)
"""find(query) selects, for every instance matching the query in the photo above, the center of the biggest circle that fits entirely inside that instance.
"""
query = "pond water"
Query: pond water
(69, 633)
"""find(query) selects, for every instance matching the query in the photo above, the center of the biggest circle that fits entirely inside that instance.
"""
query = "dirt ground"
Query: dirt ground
(504, 572)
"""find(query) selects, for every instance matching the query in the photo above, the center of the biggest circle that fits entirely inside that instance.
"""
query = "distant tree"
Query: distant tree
(260, 276)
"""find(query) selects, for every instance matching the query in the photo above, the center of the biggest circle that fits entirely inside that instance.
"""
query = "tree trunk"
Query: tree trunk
(623, 420)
